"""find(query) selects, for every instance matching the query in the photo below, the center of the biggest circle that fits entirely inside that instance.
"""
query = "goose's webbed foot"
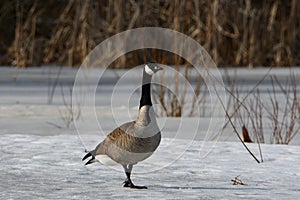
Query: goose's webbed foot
(128, 183)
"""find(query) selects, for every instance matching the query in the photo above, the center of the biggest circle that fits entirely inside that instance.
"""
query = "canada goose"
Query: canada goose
(134, 141)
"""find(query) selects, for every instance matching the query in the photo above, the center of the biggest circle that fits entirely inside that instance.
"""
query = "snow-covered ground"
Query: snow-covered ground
(50, 167)
(40, 157)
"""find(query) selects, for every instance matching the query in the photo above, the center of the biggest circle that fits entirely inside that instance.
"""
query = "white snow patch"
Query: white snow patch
(50, 167)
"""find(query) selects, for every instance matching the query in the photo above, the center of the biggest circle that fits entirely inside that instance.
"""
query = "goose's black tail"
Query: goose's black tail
(92, 160)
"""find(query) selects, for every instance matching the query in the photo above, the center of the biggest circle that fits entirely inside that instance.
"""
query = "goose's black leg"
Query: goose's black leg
(128, 182)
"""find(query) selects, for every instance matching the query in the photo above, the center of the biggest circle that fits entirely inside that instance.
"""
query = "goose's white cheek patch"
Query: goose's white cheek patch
(148, 70)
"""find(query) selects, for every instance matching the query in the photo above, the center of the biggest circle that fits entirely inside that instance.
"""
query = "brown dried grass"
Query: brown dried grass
(235, 33)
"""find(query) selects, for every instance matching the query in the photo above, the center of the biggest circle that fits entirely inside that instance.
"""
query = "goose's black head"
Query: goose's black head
(151, 68)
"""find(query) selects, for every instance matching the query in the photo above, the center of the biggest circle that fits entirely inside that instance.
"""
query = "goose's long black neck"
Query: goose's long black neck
(146, 90)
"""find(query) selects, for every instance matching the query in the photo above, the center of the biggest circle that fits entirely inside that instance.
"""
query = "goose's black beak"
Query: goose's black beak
(159, 68)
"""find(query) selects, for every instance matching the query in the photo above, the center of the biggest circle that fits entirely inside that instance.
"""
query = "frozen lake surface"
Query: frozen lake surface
(40, 157)
(50, 167)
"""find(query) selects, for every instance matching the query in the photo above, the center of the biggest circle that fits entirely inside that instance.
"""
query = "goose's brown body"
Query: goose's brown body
(125, 148)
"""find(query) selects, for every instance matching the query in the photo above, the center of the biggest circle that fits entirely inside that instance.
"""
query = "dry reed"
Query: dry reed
(235, 33)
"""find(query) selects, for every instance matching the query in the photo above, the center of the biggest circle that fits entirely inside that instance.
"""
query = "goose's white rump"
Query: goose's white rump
(106, 160)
